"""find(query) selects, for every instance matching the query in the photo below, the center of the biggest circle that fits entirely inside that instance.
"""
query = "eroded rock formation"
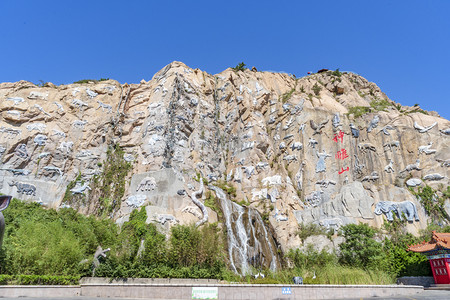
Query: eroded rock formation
(266, 134)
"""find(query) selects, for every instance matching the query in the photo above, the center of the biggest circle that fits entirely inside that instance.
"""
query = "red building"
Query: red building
(438, 252)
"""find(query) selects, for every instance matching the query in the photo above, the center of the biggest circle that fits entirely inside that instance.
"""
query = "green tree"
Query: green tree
(360, 248)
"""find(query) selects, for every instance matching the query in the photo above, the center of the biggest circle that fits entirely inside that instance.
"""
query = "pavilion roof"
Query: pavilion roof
(438, 241)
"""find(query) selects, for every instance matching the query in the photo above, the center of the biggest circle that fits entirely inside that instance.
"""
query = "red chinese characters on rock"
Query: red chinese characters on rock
(341, 154)
(339, 136)
(343, 170)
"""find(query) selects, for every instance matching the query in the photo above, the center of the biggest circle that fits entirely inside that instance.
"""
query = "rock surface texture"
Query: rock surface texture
(294, 149)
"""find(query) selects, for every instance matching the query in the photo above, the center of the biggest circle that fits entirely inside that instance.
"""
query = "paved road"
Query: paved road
(425, 295)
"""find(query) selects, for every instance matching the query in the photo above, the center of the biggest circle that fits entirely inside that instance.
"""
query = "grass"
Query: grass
(90, 80)
(358, 111)
(286, 96)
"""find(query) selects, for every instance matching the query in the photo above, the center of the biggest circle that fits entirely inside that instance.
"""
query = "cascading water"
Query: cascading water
(249, 243)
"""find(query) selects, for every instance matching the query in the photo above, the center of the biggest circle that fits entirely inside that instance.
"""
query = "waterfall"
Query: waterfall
(249, 243)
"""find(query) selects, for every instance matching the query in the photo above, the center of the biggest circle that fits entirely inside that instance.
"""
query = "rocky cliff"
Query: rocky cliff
(330, 148)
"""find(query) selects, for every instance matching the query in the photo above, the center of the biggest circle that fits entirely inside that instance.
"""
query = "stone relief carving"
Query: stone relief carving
(66, 146)
(312, 143)
(249, 170)
(444, 163)
(262, 165)
(59, 106)
(273, 180)
(412, 167)
(43, 154)
(91, 94)
(297, 146)
(24, 188)
(4, 203)
(192, 210)
(41, 109)
(372, 177)
(14, 113)
(336, 121)
(357, 167)
(248, 145)
(400, 209)
(16, 100)
(259, 194)
(52, 169)
(21, 151)
(354, 130)
(385, 129)
(79, 188)
(314, 198)
(363, 147)
(317, 127)
(2, 150)
(434, 176)
(321, 166)
(424, 129)
(391, 144)
(59, 133)
(17, 172)
(10, 133)
(279, 216)
(37, 95)
(390, 167)
(373, 124)
(325, 183)
(290, 158)
(78, 103)
(331, 223)
(445, 131)
(40, 140)
(36, 126)
(426, 149)
(79, 124)
(104, 106)
(136, 201)
(147, 184)
(299, 176)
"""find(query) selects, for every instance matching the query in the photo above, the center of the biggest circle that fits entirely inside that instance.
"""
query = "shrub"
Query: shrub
(360, 248)
(310, 229)
(90, 80)
(240, 67)
(380, 104)
(336, 73)
(358, 111)
(286, 96)
(316, 88)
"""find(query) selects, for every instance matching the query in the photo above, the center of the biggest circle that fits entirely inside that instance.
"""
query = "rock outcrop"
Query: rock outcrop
(325, 148)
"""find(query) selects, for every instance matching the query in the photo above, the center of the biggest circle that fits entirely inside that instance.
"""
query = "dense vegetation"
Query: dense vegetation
(49, 242)
(45, 246)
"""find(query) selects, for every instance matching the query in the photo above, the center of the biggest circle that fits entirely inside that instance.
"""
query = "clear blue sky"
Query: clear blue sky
(403, 46)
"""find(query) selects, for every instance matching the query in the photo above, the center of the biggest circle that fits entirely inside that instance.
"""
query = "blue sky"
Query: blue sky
(403, 46)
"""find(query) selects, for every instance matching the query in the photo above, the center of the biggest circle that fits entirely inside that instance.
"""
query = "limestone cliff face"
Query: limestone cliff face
(294, 149)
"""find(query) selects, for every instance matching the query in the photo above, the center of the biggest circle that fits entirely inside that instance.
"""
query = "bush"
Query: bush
(358, 111)
(380, 104)
(336, 73)
(310, 229)
(316, 88)
(240, 67)
(90, 80)
(360, 248)
(49, 242)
